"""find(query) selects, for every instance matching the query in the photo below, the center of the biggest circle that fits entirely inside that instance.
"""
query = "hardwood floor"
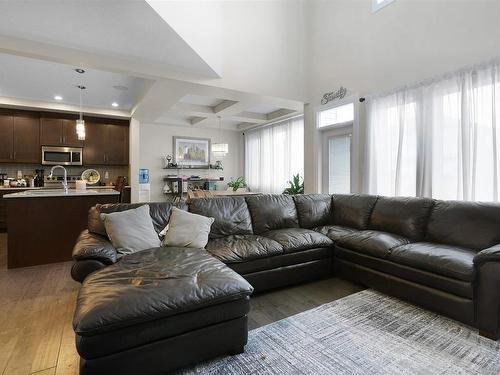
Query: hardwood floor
(37, 303)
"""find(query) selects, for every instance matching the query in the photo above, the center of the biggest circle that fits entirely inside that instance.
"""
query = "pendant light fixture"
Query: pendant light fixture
(220, 149)
(80, 123)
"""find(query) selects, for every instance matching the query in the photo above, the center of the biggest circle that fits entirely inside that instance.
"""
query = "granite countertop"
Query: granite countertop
(53, 188)
(44, 193)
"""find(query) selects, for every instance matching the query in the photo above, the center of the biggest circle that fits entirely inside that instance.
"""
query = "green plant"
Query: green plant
(238, 183)
(296, 187)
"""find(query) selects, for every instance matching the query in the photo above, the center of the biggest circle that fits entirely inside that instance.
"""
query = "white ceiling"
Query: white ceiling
(37, 80)
(131, 30)
(201, 100)
(263, 109)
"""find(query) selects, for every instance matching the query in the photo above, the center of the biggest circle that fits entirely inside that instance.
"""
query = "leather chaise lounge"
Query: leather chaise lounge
(442, 255)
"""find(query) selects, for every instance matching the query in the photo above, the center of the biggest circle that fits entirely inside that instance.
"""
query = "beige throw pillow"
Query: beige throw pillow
(131, 230)
(187, 230)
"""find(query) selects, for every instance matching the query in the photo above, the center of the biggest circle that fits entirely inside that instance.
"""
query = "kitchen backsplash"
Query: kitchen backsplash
(29, 170)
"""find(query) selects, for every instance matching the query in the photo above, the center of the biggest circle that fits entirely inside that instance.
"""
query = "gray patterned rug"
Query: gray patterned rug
(364, 333)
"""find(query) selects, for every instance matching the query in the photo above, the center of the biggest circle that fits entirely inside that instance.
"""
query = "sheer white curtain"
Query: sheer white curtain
(274, 154)
(439, 139)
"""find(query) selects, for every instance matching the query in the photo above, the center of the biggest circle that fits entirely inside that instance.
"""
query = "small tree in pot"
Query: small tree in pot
(296, 187)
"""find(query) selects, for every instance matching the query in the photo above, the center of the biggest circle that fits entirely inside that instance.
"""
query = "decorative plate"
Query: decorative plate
(91, 175)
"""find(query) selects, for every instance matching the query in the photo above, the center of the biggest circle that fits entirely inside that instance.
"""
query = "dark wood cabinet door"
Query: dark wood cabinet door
(6, 138)
(51, 132)
(95, 144)
(70, 138)
(116, 145)
(27, 140)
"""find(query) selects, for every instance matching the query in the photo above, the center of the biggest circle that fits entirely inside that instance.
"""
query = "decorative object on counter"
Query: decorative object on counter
(92, 176)
(191, 152)
(167, 162)
(143, 176)
(220, 149)
(329, 96)
(296, 187)
(237, 184)
(218, 165)
(80, 123)
(81, 185)
(39, 178)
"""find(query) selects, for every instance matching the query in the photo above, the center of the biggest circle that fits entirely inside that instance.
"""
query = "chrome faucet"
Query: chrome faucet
(65, 181)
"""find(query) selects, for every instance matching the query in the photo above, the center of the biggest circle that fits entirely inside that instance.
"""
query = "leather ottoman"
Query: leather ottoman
(159, 310)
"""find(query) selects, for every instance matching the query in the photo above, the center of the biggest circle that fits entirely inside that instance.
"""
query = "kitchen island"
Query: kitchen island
(43, 225)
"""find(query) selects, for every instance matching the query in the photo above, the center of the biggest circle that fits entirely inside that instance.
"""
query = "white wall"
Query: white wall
(408, 41)
(155, 141)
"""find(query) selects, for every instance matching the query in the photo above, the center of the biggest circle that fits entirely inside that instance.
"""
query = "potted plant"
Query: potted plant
(296, 187)
(239, 183)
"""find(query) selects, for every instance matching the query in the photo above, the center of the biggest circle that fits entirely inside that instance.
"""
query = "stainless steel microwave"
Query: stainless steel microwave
(62, 155)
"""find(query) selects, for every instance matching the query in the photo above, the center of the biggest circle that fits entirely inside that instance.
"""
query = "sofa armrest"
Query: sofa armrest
(491, 254)
(90, 246)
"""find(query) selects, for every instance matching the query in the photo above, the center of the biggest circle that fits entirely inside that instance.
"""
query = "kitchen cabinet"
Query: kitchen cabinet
(59, 132)
(6, 138)
(3, 205)
(105, 144)
(19, 139)
(27, 140)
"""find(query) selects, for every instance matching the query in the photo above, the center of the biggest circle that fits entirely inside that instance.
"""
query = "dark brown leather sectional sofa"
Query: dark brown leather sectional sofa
(442, 255)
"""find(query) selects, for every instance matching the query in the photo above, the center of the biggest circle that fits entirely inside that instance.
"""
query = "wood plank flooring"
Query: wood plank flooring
(37, 304)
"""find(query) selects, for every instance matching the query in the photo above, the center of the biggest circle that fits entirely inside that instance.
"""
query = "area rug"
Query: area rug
(364, 333)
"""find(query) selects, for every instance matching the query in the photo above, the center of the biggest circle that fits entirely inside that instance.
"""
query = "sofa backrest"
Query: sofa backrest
(353, 210)
(474, 225)
(231, 215)
(402, 215)
(270, 212)
(159, 211)
(314, 210)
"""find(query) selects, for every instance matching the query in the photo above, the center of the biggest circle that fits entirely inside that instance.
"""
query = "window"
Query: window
(437, 140)
(379, 4)
(336, 115)
(273, 154)
(339, 164)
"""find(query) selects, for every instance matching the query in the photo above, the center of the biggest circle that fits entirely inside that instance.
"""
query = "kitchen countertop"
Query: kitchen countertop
(45, 193)
(53, 188)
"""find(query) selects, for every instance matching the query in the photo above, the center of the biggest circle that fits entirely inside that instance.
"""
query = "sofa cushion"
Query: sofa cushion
(335, 232)
(473, 225)
(296, 239)
(402, 215)
(243, 247)
(314, 210)
(372, 242)
(187, 230)
(231, 215)
(159, 212)
(154, 284)
(271, 212)
(353, 210)
(451, 261)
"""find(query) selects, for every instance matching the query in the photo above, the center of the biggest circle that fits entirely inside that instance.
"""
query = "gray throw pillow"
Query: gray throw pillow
(132, 230)
(187, 230)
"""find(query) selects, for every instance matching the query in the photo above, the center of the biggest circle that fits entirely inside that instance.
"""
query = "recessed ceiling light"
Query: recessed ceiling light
(114, 104)
(58, 97)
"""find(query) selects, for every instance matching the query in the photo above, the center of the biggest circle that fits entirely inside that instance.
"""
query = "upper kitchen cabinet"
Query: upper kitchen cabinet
(6, 138)
(19, 139)
(27, 140)
(105, 144)
(58, 132)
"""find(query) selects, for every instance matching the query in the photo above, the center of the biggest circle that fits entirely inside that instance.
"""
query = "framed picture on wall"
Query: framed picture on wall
(192, 152)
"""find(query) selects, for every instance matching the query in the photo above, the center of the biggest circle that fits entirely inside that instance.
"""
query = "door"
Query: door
(116, 145)
(51, 132)
(6, 138)
(95, 144)
(336, 158)
(27, 140)
(70, 138)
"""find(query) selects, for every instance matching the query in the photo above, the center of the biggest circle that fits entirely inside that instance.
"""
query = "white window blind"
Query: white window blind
(274, 154)
(339, 164)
